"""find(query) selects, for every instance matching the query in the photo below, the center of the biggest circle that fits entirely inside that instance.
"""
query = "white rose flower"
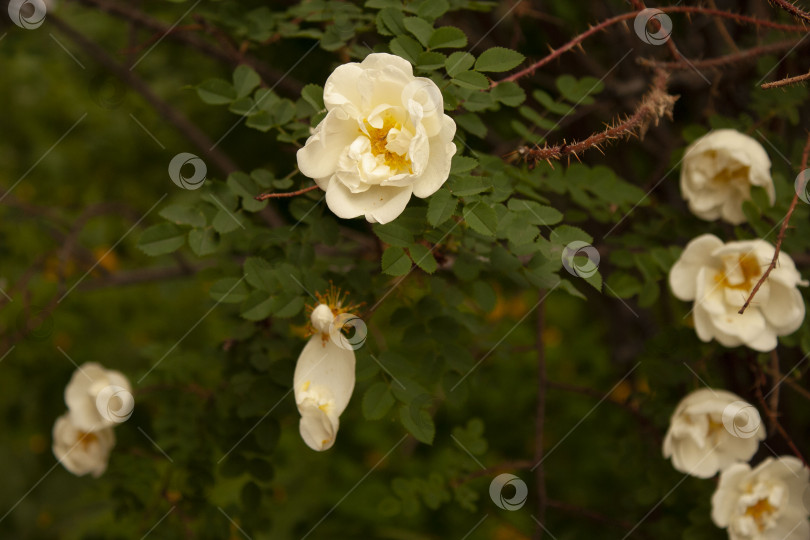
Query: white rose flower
(81, 452)
(711, 430)
(719, 278)
(718, 172)
(384, 138)
(323, 382)
(765, 503)
(97, 397)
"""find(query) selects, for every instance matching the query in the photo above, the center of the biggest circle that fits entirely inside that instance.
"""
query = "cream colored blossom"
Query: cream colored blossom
(718, 172)
(719, 278)
(711, 430)
(385, 137)
(98, 397)
(766, 503)
(81, 452)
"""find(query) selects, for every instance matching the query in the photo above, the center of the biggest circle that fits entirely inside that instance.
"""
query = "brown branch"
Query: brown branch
(539, 471)
(795, 11)
(655, 105)
(142, 275)
(125, 12)
(781, 237)
(741, 56)
(265, 196)
(786, 82)
(555, 53)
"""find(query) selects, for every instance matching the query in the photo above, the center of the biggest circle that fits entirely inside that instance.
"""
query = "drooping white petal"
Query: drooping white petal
(317, 428)
(319, 156)
(378, 204)
(697, 254)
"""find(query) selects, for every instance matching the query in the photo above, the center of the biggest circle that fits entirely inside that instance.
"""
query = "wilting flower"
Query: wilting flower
(718, 172)
(81, 452)
(324, 375)
(384, 138)
(719, 278)
(711, 430)
(765, 503)
(98, 398)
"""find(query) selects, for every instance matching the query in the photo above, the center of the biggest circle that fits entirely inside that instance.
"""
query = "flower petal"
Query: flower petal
(379, 204)
(341, 89)
(317, 429)
(683, 277)
(319, 156)
(437, 170)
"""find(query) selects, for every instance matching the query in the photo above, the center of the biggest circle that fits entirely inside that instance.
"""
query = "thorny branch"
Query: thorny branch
(781, 237)
(655, 105)
(794, 10)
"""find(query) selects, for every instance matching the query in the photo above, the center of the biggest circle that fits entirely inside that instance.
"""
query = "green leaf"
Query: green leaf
(395, 262)
(286, 306)
(423, 258)
(202, 241)
(260, 274)
(394, 234)
(537, 213)
(565, 234)
(242, 106)
(377, 401)
(262, 121)
(430, 60)
(498, 59)
(226, 221)
(161, 238)
(481, 218)
(578, 91)
(389, 22)
(245, 80)
(257, 307)
(458, 62)
(406, 47)
(229, 290)
(464, 186)
(418, 422)
(182, 214)
(216, 92)
(313, 94)
(549, 104)
(432, 9)
(622, 285)
(447, 37)
(472, 122)
(419, 28)
(441, 207)
(471, 79)
(461, 164)
(509, 94)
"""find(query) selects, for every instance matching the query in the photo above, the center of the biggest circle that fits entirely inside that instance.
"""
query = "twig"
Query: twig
(265, 196)
(741, 56)
(796, 12)
(655, 105)
(786, 82)
(781, 237)
(555, 53)
(539, 472)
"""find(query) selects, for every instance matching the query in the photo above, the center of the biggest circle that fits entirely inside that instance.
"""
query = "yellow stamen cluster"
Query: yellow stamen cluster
(750, 267)
(759, 511)
(379, 142)
(337, 302)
